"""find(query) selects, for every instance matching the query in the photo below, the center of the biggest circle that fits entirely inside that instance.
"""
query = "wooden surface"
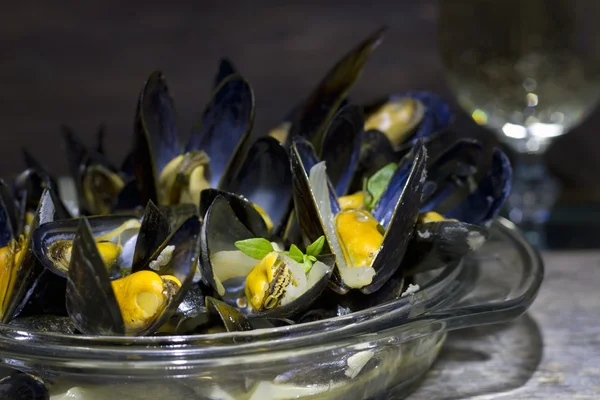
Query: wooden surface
(84, 63)
(552, 352)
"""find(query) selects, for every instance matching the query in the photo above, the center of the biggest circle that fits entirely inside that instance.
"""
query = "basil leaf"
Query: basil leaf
(296, 254)
(307, 264)
(256, 248)
(316, 247)
(380, 180)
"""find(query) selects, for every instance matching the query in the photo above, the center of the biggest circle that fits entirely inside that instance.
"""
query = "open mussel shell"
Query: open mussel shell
(396, 211)
(20, 271)
(96, 179)
(52, 241)
(266, 180)
(437, 244)
(29, 187)
(315, 114)
(485, 202)
(225, 267)
(18, 385)
(243, 208)
(90, 298)
(182, 265)
(407, 116)
(225, 125)
(452, 174)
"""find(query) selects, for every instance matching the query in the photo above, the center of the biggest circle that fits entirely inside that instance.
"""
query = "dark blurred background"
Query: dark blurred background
(83, 64)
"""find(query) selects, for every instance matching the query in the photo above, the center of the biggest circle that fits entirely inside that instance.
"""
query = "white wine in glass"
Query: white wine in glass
(527, 70)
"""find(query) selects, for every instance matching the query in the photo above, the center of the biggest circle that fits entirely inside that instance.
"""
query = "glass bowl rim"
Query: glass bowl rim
(371, 321)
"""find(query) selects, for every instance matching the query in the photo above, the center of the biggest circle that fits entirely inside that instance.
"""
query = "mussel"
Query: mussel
(137, 303)
(115, 238)
(168, 173)
(368, 245)
(19, 271)
(255, 275)
(405, 116)
(99, 184)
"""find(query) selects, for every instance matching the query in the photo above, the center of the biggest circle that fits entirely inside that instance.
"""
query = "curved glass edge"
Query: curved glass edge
(235, 348)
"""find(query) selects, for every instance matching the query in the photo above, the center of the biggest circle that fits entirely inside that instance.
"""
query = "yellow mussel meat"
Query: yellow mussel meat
(266, 283)
(360, 236)
(143, 296)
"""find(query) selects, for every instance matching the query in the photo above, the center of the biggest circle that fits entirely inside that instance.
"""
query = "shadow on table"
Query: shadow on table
(483, 360)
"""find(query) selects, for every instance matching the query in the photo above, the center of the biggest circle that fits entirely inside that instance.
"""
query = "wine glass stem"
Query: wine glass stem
(533, 195)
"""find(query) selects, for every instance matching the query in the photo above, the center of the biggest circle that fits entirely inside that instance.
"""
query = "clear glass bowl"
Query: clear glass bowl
(362, 355)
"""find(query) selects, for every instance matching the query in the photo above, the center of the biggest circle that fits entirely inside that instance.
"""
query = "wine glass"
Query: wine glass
(530, 72)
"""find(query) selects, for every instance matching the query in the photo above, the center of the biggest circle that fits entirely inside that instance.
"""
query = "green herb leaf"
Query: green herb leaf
(377, 183)
(307, 264)
(256, 248)
(316, 247)
(296, 254)
(312, 258)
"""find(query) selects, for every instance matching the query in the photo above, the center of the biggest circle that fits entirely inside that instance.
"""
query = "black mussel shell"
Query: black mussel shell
(486, 201)
(265, 179)
(437, 244)
(48, 233)
(96, 179)
(342, 145)
(182, 265)
(10, 217)
(453, 173)
(320, 106)
(156, 142)
(100, 139)
(226, 68)
(21, 386)
(376, 152)
(241, 206)
(225, 125)
(230, 317)
(90, 300)
(156, 116)
(177, 214)
(220, 231)
(154, 230)
(400, 203)
(397, 211)
(29, 187)
(19, 283)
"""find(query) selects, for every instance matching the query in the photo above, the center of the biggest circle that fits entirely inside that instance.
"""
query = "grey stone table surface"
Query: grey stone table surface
(551, 352)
